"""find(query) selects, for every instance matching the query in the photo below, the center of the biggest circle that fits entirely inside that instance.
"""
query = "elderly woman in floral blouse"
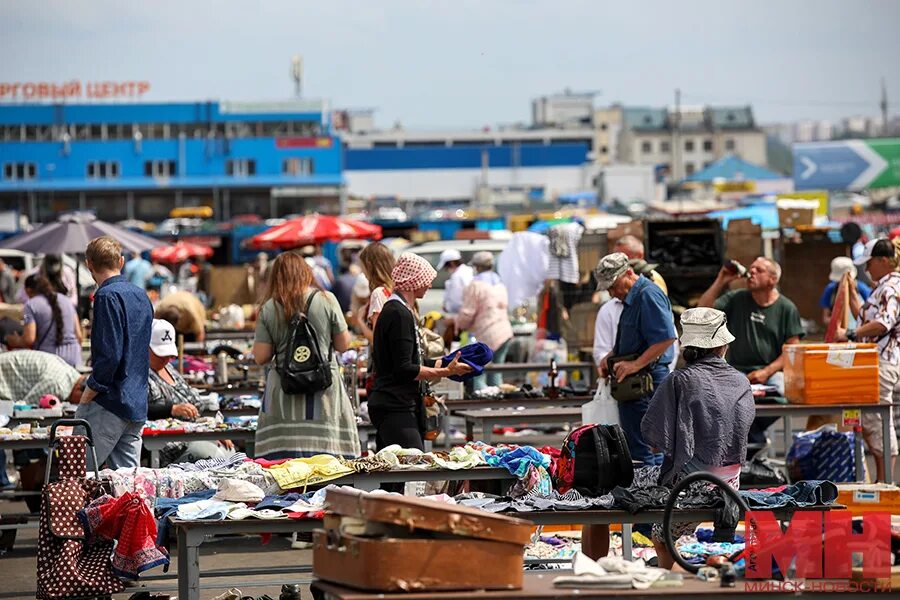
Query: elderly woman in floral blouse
(171, 396)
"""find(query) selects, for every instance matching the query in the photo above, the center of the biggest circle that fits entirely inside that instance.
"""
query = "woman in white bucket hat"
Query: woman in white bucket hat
(700, 416)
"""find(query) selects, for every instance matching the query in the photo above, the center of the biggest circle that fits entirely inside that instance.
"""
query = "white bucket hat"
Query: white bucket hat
(704, 328)
(841, 265)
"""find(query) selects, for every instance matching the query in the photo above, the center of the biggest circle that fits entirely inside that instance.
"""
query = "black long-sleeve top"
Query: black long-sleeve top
(397, 359)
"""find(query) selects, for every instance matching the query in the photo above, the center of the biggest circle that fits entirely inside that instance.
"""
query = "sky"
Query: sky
(471, 63)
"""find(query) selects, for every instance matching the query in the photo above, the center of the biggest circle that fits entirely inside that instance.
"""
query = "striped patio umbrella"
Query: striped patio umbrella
(314, 229)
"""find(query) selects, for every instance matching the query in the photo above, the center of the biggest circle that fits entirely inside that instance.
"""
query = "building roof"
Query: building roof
(692, 118)
(644, 118)
(734, 168)
(735, 117)
(88, 113)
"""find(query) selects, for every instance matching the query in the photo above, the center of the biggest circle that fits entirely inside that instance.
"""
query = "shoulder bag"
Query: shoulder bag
(635, 386)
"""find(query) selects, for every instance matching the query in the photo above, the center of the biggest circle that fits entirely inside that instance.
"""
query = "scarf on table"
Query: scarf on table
(128, 520)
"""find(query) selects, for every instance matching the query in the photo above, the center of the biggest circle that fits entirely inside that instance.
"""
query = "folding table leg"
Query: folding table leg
(188, 565)
(626, 541)
(886, 443)
(487, 432)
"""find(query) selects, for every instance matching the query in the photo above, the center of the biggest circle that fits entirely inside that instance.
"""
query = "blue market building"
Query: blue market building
(141, 160)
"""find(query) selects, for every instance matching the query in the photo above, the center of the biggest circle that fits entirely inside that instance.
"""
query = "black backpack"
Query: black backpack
(304, 369)
(594, 459)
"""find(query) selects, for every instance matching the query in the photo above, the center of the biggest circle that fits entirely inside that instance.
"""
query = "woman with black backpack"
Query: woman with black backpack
(306, 410)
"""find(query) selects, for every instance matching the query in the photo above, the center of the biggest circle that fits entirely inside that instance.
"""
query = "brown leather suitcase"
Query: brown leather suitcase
(390, 543)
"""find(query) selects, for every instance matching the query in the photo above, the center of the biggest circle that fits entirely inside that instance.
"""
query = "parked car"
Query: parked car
(431, 251)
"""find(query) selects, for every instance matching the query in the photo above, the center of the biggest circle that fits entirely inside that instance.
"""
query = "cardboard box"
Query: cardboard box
(831, 373)
(861, 498)
(795, 213)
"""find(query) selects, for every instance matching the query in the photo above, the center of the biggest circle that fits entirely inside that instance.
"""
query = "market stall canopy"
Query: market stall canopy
(764, 214)
(314, 229)
(543, 226)
(733, 168)
(180, 252)
(583, 197)
(71, 234)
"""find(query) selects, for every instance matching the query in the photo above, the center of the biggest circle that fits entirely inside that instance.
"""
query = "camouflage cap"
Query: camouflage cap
(609, 269)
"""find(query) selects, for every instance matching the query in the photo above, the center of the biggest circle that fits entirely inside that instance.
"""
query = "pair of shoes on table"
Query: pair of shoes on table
(149, 596)
(235, 594)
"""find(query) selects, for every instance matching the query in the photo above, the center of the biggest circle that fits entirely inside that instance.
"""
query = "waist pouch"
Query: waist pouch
(635, 386)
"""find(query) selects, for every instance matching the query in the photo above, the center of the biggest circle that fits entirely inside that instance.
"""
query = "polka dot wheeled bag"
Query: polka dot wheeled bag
(69, 566)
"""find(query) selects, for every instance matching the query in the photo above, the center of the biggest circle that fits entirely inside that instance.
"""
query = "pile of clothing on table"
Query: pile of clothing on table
(201, 424)
(557, 547)
(24, 431)
(699, 547)
(510, 392)
(239, 402)
(645, 494)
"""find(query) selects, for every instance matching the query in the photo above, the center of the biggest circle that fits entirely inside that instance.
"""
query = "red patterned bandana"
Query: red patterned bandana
(412, 272)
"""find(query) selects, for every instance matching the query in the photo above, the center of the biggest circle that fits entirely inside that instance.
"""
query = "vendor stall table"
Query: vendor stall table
(539, 586)
(156, 442)
(192, 534)
(487, 419)
(589, 369)
(788, 411)
(455, 406)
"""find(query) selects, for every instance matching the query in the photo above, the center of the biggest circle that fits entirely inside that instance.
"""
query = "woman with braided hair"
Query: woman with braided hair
(50, 323)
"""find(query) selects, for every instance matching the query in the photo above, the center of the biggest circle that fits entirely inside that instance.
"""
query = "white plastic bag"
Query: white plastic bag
(603, 409)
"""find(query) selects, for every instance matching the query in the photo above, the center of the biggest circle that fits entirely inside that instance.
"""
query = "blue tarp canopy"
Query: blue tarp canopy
(733, 168)
(586, 197)
(764, 214)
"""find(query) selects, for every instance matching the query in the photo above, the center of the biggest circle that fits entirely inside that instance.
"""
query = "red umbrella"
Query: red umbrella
(314, 229)
(180, 252)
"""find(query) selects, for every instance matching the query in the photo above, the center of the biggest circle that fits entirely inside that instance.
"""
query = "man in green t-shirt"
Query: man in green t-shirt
(762, 321)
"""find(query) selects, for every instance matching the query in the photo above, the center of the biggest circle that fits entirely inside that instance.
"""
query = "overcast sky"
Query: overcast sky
(471, 63)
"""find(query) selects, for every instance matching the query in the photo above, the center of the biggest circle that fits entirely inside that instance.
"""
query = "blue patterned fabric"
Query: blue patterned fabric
(822, 454)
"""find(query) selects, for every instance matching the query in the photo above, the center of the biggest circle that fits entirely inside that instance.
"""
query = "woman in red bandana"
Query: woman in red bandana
(395, 401)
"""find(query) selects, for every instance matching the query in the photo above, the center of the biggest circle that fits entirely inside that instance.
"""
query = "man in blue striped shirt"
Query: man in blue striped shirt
(115, 400)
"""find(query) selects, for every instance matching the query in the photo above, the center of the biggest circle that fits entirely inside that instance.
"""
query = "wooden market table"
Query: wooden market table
(192, 534)
(539, 586)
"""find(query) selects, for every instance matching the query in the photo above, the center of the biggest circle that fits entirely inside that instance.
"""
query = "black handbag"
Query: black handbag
(634, 387)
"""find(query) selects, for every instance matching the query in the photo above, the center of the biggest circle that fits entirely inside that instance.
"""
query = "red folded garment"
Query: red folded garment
(127, 520)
